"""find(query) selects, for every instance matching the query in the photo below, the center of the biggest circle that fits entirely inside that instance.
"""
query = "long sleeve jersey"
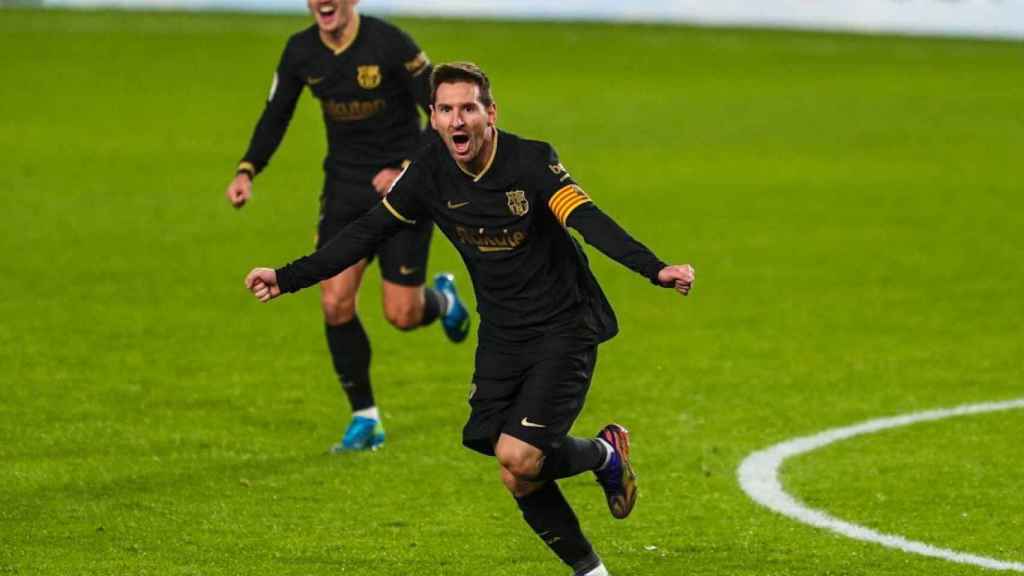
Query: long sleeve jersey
(368, 89)
(508, 224)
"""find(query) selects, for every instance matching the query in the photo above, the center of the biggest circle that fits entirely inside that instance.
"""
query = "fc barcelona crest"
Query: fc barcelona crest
(517, 202)
(368, 76)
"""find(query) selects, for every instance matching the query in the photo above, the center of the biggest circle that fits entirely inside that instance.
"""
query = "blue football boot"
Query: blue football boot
(456, 319)
(362, 434)
(617, 478)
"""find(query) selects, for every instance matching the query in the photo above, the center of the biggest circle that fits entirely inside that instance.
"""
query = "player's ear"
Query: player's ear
(433, 120)
(492, 114)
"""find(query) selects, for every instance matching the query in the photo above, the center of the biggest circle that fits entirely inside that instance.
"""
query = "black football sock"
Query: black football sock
(350, 352)
(434, 304)
(551, 517)
(572, 456)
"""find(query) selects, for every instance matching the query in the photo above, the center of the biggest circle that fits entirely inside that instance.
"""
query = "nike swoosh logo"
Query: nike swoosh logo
(455, 205)
(314, 81)
(525, 422)
(405, 270)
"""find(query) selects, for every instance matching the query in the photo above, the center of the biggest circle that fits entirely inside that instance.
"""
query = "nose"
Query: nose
(458, 121)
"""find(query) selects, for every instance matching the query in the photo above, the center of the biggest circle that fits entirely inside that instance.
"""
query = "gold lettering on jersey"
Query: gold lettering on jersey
(352, 110)
(517, 202)
(490, 241)
(368, 76)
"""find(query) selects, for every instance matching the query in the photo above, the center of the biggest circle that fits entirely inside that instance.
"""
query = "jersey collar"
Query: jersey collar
(490, 161)
(339, 48)
(500, 172)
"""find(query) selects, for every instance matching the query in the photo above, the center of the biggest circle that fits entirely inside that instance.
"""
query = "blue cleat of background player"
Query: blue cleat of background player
(455, 319)
(362, 434)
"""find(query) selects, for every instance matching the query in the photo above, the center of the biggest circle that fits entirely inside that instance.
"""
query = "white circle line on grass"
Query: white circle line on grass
(758, 475)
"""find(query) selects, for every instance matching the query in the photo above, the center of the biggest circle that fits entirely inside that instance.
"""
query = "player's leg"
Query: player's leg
(350, 353)
(535, 449)
(342, 201)
(607, 455)
(409, 307)
(408, 304)
(544, 507)
(549, 403)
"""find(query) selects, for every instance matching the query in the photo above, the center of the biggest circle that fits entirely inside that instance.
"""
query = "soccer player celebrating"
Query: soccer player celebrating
(505, 203)
(369, 77)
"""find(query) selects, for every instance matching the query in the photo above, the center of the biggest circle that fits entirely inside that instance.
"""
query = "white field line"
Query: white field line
(759, 477)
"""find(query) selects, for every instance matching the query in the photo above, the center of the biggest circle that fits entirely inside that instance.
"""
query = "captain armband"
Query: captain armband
(417, 65)
(567, 199)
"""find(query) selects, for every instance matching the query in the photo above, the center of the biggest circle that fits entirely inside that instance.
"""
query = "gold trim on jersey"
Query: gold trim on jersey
(494, 152)
(344, 46)
(246, 167)
(567, 199)
(395, 213)
(417, 65)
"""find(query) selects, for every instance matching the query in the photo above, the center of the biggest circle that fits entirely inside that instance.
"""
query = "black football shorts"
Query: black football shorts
(532, 390)
(403, 257)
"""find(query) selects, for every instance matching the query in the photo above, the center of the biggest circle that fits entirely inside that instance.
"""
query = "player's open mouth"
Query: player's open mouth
(326, 13)
(461, 143)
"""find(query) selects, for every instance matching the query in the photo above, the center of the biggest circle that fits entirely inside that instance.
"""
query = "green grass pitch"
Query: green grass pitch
(853, 206)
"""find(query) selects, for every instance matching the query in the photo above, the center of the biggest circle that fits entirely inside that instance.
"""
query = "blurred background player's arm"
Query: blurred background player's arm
(273, 123)
(416, 69)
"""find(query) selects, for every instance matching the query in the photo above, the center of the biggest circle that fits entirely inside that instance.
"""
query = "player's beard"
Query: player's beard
(469, 148)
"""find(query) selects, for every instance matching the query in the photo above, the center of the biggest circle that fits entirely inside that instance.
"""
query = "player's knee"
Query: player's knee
(522, 464)
(508, 479)
(517, 486)
(404, 316)
(337, 309)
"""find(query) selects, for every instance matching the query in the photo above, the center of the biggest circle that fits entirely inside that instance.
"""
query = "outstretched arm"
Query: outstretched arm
(355, 242)
(603, 233)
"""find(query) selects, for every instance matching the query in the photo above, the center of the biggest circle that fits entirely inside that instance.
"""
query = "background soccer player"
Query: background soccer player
(505, 203)
(369, 77)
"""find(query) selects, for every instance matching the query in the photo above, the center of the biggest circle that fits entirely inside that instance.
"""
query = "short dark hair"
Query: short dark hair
(452, 72)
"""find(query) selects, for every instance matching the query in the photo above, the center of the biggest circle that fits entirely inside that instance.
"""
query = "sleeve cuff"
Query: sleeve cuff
(651, 273)
(284, 280)
(246, 168)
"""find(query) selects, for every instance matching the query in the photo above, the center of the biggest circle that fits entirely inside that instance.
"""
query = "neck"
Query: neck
(343, 34)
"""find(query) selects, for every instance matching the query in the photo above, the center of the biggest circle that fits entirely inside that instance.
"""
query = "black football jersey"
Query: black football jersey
(508, 224)
(368, 91)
